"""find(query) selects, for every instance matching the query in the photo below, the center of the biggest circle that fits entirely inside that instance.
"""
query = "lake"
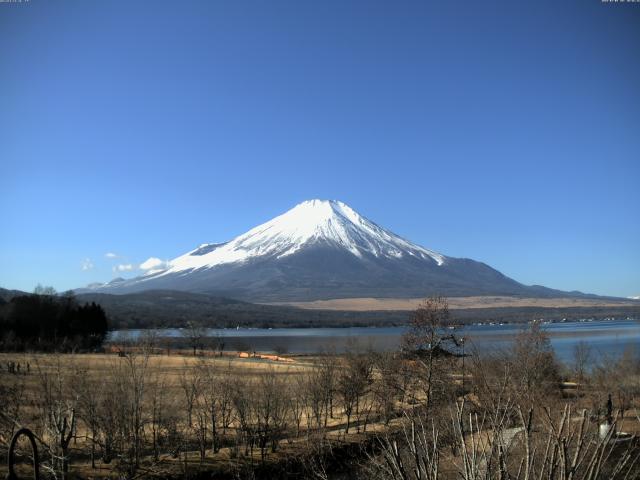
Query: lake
(609, 337)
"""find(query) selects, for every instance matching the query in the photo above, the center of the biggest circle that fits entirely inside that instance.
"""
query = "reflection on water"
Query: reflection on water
(604, 337)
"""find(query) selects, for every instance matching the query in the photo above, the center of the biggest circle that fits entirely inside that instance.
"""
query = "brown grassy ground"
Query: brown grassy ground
(455, 303)
(173, 367)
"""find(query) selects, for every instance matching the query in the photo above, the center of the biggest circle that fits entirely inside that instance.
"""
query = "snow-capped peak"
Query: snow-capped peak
(328, 222)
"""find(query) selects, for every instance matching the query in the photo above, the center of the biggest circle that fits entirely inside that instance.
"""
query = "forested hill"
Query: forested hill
(154, 309)
(167, 308)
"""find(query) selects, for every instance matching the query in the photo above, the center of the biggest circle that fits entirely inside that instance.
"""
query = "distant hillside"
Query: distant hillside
(166, 308)
(154, 309)
(6, 295)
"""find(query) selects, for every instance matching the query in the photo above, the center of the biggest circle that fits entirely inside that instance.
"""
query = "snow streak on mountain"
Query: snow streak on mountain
(314, 221)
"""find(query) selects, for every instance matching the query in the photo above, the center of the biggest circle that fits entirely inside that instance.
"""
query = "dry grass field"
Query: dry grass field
(455, 303)
(142, 412)
(179, 376)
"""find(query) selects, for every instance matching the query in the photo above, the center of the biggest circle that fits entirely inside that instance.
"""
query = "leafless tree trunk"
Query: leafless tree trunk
(270, 410)
(126, 407)
(429, 342)
(87, 392)
(296, 399)
(582, 356)
(316, 400)
(157, 388)
(58, 410)
(563, 448)
(189, 383)
(353, 383)
(195, 334)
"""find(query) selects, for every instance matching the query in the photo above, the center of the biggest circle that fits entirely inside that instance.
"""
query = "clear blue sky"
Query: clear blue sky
(507, 132)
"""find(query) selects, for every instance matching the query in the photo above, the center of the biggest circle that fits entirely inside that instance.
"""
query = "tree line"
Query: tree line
(46, 321)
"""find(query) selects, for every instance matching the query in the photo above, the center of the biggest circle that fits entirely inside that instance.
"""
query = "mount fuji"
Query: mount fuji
(323, 249)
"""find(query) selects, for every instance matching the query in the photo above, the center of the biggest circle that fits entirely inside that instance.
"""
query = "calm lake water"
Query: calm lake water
(610, 337)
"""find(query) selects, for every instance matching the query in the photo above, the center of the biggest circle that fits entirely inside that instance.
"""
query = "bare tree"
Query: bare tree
(88, 393)
(582, 357)
(270, 410)
(129, 375)
(219, 343)
(616, 376)
(536, 373)
(390, 386)
(413, 455)
(315, 393)
(430, 343)
(211, 397)
(157, 395)
(562, 448)
(58, 413)
(195, 333)
(202, 412)
(12, 397)
(45, 291)
(242, 393)
(225, 405)
(190, 386)
(297, 401)
(353, 383)
(492, 384)
(109, 417)
(216, 400)
(326, 378)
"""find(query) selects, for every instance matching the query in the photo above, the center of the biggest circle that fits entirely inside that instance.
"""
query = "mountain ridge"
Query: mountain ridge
(324, 249)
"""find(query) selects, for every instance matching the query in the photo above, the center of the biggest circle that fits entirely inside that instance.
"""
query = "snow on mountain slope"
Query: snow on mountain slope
(328, 221)
(321, 250)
